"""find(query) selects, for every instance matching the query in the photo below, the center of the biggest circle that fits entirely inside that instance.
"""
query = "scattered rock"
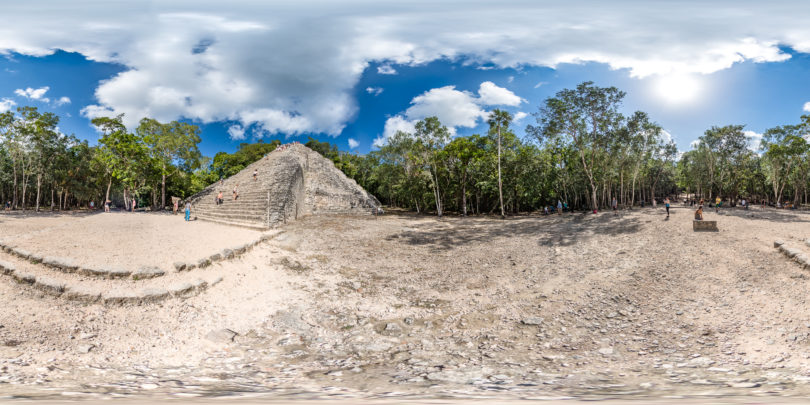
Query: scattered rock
(147, 272)
(221, 336)
(85, 348)
(179, 266)
(532, 321)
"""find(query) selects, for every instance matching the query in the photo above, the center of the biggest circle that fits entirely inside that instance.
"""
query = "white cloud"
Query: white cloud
(490, 94)
(236, 132)
(386, 70)
(519, 116)
(62, 101)
(754, 140)
(540, 84)
(666, 135)
(6, 104)
(454, 108)
(353, 143)
(510, 79)
(295, 71)
(694, 144)
(392, 126)
(375, 91)
(806, 107)
(34, 94)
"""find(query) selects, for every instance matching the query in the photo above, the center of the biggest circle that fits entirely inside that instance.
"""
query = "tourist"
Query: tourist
(92, 205)
(666, 204)
(545, 210)
(745, 207)
(255, 174)
(615, 205)
(236, 191)
(565, 207)
(654, 203)
(699, 214)
(134, 203)
(559, 207)
(8, 205)
(188, 210)
(220, 200)
(174, 207)
(107, 206)
(717, 202)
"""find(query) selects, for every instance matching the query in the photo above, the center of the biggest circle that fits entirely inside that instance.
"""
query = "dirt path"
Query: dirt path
(564, 306)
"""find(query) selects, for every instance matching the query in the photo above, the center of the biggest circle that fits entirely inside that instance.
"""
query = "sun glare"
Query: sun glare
(678, 89)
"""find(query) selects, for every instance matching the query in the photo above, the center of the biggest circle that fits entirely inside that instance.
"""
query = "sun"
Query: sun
(678, 88)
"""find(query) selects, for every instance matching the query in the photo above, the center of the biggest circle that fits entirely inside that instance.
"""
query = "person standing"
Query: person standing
(255, 174)
(666, 204)
(188, 210)
(133, 204)
(559, 207)
(174, 208)
(615, 205)
(717, 202)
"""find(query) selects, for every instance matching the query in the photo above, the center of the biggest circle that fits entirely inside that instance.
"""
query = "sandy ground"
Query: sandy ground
(128, 240)
(571, 306)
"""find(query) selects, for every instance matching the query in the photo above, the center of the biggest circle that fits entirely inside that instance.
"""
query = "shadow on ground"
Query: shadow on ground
(559, 230)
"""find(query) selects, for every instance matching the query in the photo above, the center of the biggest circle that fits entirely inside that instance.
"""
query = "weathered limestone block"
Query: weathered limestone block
(710, 226)
(60, 263)
(215, 257)
(22, 253)
(181, 289)
(147, 272)
(153, 294)
(49, 285)
(81, 293)
(199, 284)
(227, 254)
(121, 297)
(179, 266)
(777, 243)
(24, 277)
(7, 268)
(203, 263)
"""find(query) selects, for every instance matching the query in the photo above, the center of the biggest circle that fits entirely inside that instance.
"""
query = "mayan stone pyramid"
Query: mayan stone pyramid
(291, 183)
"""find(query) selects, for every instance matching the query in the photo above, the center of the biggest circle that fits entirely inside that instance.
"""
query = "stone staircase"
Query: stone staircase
(290, 183)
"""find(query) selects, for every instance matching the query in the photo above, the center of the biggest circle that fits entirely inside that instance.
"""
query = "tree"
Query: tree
(172, 145)
(499, 120)
(431, 138)
(120, 153)
(585, 117)
(462, 151)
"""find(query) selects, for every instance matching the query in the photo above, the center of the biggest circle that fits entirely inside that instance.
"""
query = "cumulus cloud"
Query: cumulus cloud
(454, 108)
(374, 91)
(392, 126)
(806, 107)
(62, 101)
(34, 94)
(490, 94)
(754, 140)
(294, 71)
(386, 70)
(6, 104)
(353, 143)
(519, 116)
(236, 132)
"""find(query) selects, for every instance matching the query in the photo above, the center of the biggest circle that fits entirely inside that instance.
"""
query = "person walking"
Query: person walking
(717, 202)
(666, 204)
(174, 208)
(188, 211)
(134, 203)
(559, 207)
(615, 205)
(255, 174)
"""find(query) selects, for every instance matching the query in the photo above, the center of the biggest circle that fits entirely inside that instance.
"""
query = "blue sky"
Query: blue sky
(243, 74)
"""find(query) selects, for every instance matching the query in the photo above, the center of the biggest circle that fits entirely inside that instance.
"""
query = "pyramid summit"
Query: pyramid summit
(290, 182)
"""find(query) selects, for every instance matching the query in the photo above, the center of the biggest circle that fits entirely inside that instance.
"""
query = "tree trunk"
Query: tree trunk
(500, 187)
(107, 196)
(163, 189)
(39, 187)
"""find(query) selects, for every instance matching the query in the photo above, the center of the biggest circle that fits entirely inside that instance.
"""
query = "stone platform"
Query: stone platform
(704, 226)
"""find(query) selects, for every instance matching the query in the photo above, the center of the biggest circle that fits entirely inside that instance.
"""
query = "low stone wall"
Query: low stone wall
(793, 253)
(66, 265)
(124, 294)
